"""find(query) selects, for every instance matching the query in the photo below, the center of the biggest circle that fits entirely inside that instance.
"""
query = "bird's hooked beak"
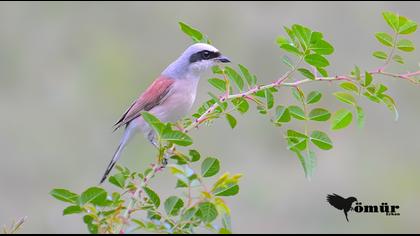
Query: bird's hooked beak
(222, 59)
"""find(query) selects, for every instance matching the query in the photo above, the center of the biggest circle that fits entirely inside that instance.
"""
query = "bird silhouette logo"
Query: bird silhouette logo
(341, 203)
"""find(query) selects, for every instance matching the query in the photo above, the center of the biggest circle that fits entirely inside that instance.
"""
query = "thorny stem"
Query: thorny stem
(137, 195)
(281, 82)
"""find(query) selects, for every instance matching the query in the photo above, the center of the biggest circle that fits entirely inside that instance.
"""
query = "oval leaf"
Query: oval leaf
(207, 212)
(306, 73)
(93, 195)
(152, 196)
(405, 45)
(172, 205)
(313, 97)
(316, 60)
(282, 114)
(210, 167)
(380, 55)
(350, 87)
(341, 119)
(319, 114)
(321, 140)
(345, 97)
(64, 195)
(297, 112)
(384, 38)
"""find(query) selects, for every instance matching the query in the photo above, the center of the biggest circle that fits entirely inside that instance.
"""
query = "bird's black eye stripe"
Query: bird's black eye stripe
(203, 55)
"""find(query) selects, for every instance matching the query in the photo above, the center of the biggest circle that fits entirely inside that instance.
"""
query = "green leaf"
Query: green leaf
(207, 212)
(210, 167)
(296, 141)
(173, 205)
(385, 39)
(380, 55)
(181, 184)
(195, 35)
(218, 84)
(118, 180)
(381, 89)
(321, 140)
(313, 97)
(350, 87)
(64, 195)
(405, 45)
(319, 114)
(154, 122)
(72, 210)
(408, 27)
(390, 103)
(93, 228)
(269, 99)
(229, 189)
(153, 196)
(356, 73)
(303, 35)
(315, 38)
(360, 115)
(322, 47)
(241, 105)
(216, 70)
(234, 77)
(177, 137)
(297, 112)
(398, 59)
(189, 214)
(195, 155)
(93, 195)
(248, 77)
(306, 73)
(317, 60)
(392, 19)
(341, 119)
(322, 71)
(345, 97)
(282, 114)
(231, 120)
(308, 162)
(368, 79)
(290, 48)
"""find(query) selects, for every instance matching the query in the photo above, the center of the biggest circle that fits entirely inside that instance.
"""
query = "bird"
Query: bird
(170, 96)
(341, 203)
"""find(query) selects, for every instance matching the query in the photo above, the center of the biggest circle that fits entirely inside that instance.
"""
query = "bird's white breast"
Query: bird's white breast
(179, 101)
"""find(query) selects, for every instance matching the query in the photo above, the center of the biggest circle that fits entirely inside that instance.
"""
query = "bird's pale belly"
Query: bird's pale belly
(177, 105)
(174, 108)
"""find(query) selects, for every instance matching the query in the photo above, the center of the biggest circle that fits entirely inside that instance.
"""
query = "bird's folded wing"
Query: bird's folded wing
(154, 95)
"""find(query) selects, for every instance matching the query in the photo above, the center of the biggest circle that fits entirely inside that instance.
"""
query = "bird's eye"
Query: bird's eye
(206, 54)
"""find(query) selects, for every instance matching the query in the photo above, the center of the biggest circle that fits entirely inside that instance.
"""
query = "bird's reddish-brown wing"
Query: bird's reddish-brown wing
(154, 95)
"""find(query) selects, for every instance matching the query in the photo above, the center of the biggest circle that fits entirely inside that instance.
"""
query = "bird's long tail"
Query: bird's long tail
(128, 133)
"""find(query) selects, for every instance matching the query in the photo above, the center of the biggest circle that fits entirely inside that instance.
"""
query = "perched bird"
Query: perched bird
(169, 97)
(341, 203)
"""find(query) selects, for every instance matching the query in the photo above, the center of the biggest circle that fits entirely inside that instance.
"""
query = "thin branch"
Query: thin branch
(281, 82)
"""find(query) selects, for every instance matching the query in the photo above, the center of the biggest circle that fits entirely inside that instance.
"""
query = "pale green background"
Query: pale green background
(68, 70)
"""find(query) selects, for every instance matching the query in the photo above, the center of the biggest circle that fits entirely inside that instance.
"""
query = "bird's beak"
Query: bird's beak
(222, 59)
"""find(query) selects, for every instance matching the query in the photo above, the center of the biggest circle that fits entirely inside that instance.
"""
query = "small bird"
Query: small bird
(170, 97)
(341, 203)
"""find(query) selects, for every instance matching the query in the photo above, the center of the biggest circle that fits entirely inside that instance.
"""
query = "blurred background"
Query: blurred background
(69, 70)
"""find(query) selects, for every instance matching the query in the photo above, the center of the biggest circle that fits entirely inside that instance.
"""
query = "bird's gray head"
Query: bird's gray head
(195, 60)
